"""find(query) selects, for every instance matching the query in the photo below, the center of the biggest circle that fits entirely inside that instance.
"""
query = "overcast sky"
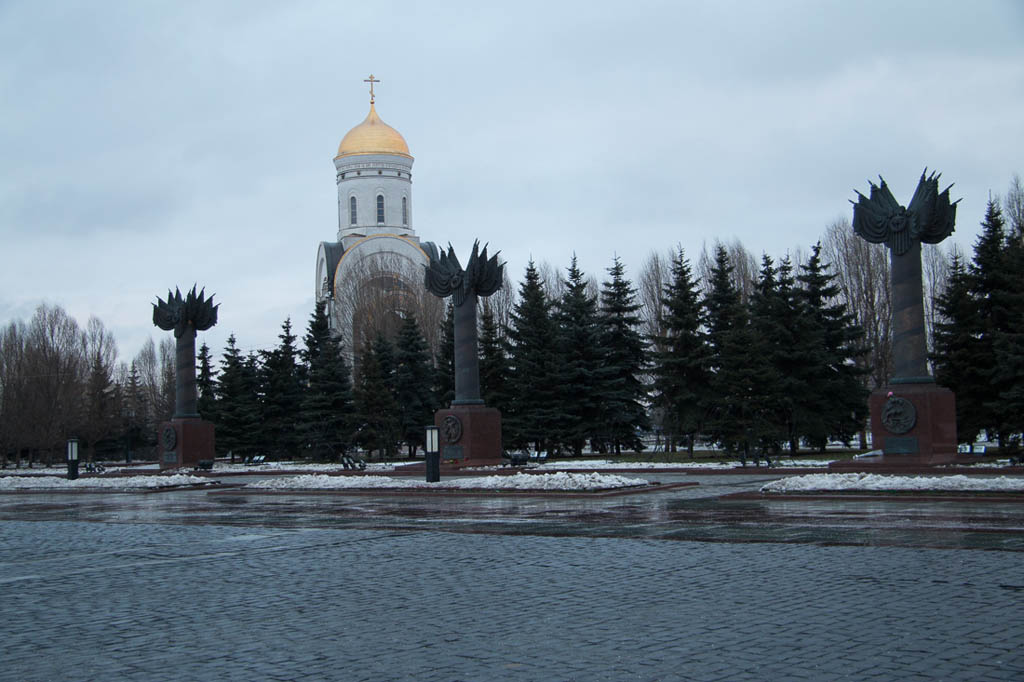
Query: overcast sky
(145, 145)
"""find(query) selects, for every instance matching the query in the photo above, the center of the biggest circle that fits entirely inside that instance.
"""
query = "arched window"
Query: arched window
(352, 210)
(405, 211)
(380, 209)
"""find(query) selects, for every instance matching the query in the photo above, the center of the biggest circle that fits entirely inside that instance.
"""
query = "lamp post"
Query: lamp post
(433, 455)
(72, 459)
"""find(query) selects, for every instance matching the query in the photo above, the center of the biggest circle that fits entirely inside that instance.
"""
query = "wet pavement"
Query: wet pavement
(679, 584)
(701, 513)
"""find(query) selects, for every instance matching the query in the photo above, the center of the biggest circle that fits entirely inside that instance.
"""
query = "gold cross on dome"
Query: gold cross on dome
(371, 80)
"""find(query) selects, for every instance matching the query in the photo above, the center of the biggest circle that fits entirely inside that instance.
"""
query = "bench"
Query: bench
(255, 459)
(516, 459)
(350, 462)
(204, 465)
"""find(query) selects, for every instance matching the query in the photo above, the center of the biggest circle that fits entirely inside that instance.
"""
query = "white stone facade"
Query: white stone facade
(365, 177)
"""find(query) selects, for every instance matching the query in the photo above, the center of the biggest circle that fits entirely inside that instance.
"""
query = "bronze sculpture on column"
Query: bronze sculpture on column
(913, 421)
(187, 439)
(470, 431)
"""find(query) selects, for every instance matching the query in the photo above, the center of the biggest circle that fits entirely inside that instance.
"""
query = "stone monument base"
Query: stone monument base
(478, 438)
(193, 441)
(932, 438)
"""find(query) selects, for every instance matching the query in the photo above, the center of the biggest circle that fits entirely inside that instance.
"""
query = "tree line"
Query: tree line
(752, 357)
(979, 337)
(58, 380)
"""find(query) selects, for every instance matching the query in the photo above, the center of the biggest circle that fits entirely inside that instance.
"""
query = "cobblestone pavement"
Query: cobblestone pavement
(100, 601)
(186, 585)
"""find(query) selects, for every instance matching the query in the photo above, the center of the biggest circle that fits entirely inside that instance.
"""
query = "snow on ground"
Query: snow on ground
(827, 482)
(597, 464)
(308, 466)
(62, 470)
(57, 483)
(555, 481)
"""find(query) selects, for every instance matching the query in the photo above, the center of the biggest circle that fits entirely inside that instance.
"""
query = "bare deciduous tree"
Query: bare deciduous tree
(54, 370)
(500, 303)
(101, 409)
(378, 292)
(935, 274)
(1014, 204)
(862, 273)
(13, 387)
(149, 378)
(551, 279)
(744, 268)
(650, 290)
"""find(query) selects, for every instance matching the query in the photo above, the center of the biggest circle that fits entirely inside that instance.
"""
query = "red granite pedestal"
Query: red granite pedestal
(192, 441)
(470, 435)
(932, 437)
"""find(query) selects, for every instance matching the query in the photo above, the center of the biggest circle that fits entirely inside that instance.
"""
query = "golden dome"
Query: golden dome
(373, 136)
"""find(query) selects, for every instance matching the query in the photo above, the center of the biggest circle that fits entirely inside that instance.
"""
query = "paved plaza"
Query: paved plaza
(675, 585)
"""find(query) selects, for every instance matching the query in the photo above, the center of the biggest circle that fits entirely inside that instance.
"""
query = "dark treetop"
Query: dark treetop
(185, 316)
(929, 218)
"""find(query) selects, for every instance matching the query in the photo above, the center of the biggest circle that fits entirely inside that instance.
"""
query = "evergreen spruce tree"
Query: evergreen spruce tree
(624, 394)
(256, 439)
(955, 338)
(721, 302)
(413, 389)
(579, 364)
(135, 412)
(1009, 344)
(838, 389)
(374, 400)
(236, 417)
(681, 374)
(444, 363)
(101, 403)
(743, 422)
(998, 290)
(986, 281)
(723, 310)
(790, 339)
(769, 323)
(494, 366)
(531, 349)
(206, 381)
(326, 419)
(282, 388)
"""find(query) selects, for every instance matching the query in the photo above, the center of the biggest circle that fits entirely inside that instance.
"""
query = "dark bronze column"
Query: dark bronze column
(467, 362)
(470, 431)
(185, 397)
(909, 344)
(186, 440)
(913, 420)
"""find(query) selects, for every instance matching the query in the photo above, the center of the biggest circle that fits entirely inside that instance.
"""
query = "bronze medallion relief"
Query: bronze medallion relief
(898, 415)
(170, 437)
(451, 427)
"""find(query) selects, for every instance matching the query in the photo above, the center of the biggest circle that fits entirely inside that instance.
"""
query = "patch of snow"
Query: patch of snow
(554, 481)
(597, 464)
(861, 481)
(307, 466)
(57, 483)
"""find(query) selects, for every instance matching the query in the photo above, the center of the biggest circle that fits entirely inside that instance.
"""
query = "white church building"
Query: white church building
(372, 274)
